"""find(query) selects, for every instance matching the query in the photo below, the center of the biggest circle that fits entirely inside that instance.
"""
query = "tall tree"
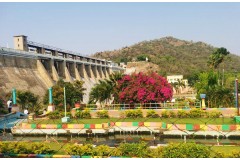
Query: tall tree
(74, 93)
(144, 88)
(217, 57)
(27, 99)
(106, 90)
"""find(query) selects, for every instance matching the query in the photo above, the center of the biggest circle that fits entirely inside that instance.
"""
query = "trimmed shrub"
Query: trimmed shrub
(165, 114)
(196, 113)
(81, 150)
(186, 150)
(86, 114)
(41, 148)
(235, 154)
(102, 150)
(18, 148)
(182, 114)
(172, 114)
(55, 115)
(134, 149)
(152, 114)
(24, 148)
(156, 153)
(102, 114)
(214, 114)
(134, 113)
(83, 114)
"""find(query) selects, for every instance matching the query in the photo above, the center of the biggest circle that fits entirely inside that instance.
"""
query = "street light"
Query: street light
(236, 96)
(65, 119)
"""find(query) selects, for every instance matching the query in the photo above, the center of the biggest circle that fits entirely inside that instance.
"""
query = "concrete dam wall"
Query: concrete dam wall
(22, 74)
(36, 72)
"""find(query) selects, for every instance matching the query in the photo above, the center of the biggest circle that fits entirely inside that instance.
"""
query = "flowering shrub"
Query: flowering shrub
(142, 88)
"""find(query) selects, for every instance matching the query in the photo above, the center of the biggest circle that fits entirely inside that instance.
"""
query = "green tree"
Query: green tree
(216, 94)
(217, 57)
(74, 93)
(100, 92)
(142, 57)
(105, 90)
(178, 85)
(27, 99)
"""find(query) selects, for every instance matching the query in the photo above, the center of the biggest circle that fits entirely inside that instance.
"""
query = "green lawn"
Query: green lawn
(166, 120)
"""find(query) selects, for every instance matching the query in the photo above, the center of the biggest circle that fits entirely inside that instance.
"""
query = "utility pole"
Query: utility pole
(236, 96)
(65, 107)
(65, 119)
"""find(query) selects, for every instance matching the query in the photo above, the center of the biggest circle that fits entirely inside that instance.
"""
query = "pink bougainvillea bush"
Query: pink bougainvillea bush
(143, 88)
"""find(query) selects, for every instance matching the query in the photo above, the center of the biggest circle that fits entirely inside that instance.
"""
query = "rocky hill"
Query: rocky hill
(173, 56)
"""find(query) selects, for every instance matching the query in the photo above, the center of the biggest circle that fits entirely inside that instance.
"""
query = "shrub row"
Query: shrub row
(25, 148)
(173, 150)
(194, 113)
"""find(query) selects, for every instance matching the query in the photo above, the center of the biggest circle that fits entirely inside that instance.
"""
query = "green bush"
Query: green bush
(86, 113)
(41, 148)
(55, 115)
(186, 150)
(4, 147)
(165, 114)
(102, 114)
(172, 114)
(218, 154)
(196, 113)
(18, 148)
(134, 113)
(24, 148)
(102, 150)
(156, 153)
(235, 154)
(134, 149)
(214, 114)
(83, 114)
(152, 114)
(182, 114)
(81, 150)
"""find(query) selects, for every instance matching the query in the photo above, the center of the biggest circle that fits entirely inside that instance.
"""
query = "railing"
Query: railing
(36, 44)
(24, 54)
(167, 105)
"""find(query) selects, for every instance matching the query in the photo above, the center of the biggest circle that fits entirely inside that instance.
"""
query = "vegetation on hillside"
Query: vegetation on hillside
(173, 56)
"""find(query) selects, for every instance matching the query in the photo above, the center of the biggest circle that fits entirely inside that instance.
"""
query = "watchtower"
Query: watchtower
(20, 43)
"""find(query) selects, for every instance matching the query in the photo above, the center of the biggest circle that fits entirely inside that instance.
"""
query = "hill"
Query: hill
(173, 56)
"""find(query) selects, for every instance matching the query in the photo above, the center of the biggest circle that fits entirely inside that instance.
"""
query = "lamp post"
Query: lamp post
(236, 96)
(65, 119)
(203, 96)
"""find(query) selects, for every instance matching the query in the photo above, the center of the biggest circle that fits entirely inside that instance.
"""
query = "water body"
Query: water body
(115, 140)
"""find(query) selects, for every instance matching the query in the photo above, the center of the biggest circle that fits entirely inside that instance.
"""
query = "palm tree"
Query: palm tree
(217, 57)
(105, 90)
(178, 85)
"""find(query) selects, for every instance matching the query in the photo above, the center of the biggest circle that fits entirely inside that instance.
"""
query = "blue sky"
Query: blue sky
(92, 27)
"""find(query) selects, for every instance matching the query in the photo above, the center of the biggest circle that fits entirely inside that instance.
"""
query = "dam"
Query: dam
(36, 67)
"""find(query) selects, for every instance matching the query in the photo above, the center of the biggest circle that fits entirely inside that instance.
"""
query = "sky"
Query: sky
(87, 28)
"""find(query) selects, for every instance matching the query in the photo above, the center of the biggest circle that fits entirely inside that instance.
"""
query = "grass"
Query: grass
(166, 120)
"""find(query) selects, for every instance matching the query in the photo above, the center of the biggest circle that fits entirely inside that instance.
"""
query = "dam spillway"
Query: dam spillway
(36, 67)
